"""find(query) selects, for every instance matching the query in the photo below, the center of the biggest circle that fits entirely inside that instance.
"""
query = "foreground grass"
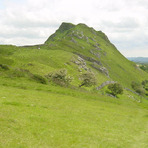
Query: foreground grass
(33, 118)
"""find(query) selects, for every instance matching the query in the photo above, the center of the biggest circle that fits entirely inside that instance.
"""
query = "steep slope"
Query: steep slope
(99, 53)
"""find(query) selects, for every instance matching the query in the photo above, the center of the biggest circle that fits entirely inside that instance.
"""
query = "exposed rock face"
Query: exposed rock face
(101, 69)
(110, 95)
(104, 84)
(97, 47)
(104, 70)
(90, 59)
(73, 40)
(93, 31)
(81, 63)
(92, 39)
(131, 91)
(77, 34)
(94, 53)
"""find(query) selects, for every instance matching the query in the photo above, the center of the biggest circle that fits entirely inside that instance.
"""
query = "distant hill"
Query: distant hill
(138, 59)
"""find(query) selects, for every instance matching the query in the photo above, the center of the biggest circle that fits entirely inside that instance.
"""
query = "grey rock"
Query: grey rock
(82, 64)
(73, 40)
(90, 59)
(82, 47)
(104, 84)
(101, 69)
(93, 39)
(96, 54)
(104, 70)
(110, 95)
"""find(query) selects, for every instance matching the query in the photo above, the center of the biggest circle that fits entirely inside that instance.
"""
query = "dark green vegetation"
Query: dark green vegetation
(115, 89)
(88, 79)
(138, 88)
(144, 67)
(42, 105)
(60, 77)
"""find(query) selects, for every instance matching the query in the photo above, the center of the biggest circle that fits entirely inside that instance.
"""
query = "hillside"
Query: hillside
(86, 42)
(37, 112)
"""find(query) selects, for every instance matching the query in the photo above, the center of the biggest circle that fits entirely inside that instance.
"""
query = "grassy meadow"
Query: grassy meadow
(44, 116)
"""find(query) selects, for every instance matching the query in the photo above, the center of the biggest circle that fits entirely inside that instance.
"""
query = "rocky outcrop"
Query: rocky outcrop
(101, 69)
(97, 47)
(131, 91)
(90, 59)
(94, 53)
(104, 84)
(73, 40)
(81, 63)
(92, 39)
(104, 70)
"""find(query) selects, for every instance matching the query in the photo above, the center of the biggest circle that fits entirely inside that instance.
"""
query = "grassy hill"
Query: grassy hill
(38, 113)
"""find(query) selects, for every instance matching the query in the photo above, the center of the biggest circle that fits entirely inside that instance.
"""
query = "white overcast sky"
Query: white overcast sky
(28, 22)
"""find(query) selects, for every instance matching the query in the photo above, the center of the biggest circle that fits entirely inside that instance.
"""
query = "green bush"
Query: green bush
(60, 77)
(88, 79)
(39, 78)
(4, 67)
(144, 67)
(115, 89)
(138, 88)
(145, 84)
(18, 72)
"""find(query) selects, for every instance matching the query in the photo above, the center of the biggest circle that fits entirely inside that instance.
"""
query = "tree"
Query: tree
(60, 77)
(39, 78)
(115, 89)
(88, 79)
(138, 88)
(145, 84)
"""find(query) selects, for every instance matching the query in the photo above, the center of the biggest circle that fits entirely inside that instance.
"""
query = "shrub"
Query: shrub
(135, 85)
(60, 77)
(88, 79)
(115, 89)
(4, 67)
(138, 88)
(39, 78)
(144, 67)
(141, 91)
(145, 84)
(18, 72)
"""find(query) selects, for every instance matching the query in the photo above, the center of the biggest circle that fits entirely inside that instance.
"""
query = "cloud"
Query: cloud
(135, 52)
(32, 21)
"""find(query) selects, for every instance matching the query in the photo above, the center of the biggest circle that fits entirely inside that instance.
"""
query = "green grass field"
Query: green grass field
(43, 116)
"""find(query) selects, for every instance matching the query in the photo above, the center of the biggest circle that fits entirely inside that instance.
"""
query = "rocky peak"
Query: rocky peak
(65, 26)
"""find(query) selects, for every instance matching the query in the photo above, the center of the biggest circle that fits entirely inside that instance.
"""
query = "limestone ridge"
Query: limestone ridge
(84, 41)
(78, 31)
